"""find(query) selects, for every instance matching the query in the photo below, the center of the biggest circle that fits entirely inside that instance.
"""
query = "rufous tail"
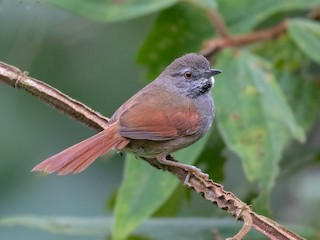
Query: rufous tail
(78, 157)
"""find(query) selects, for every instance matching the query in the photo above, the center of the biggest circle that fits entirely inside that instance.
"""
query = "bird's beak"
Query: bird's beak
(214, 72)
(211, 72)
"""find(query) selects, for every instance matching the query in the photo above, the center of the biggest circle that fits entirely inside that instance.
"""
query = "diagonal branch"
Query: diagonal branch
(210, 190)
(15, 78)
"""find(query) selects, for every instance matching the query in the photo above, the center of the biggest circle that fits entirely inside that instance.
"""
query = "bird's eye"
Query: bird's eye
(187, 75)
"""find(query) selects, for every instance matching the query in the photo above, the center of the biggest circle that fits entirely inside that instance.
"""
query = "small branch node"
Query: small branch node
(247, 225)
(186, 181)
(21, 76)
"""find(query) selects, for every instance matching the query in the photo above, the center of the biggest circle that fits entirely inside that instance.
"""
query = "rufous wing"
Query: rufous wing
(153, 122)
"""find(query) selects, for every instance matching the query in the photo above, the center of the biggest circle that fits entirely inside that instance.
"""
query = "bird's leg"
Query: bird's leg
(168, 160)
(154, 162)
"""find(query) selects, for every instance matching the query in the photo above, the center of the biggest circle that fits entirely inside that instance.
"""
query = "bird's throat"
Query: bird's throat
(200, 89)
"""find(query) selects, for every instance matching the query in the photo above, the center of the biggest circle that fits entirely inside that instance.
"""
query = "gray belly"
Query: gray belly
(150, 148)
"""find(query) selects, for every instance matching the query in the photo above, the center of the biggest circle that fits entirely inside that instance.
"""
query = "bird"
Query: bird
(169, 114)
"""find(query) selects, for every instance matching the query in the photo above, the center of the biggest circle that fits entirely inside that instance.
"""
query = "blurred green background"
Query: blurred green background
(95, 63)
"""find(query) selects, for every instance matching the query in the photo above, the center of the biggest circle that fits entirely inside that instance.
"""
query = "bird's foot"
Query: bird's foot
(191, 170)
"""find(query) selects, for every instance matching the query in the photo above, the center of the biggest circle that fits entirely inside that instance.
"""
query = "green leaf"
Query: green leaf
(159, 228)
(212, 156)
(236, 13)
(112, 10)
(295, 74)
(303, 95)
(177, 30)
(169, 208)
(306, 34)
(145, 189)
(254, 117)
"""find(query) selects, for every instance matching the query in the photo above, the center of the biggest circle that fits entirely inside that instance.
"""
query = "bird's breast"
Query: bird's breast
(206, 109)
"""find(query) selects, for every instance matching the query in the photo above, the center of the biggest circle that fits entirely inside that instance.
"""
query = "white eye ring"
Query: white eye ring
(187, 75)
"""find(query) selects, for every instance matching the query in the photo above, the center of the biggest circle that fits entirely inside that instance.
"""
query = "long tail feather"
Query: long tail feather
(78, 157)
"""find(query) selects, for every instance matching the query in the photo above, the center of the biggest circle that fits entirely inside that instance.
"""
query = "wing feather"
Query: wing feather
(147, 120)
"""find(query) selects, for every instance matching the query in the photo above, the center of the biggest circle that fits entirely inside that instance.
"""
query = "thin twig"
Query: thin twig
(219, 23)
(210, 190)
(212, 46)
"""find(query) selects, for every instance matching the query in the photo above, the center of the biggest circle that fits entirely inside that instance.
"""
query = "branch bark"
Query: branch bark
(210, 190)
